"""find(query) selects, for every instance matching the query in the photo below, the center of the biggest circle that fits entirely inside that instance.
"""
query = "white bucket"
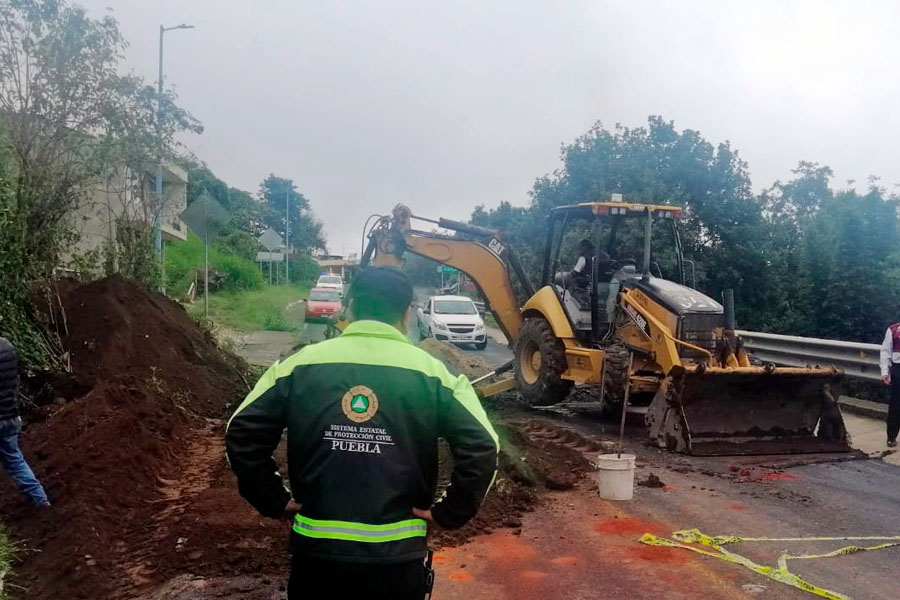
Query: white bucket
(615, 476)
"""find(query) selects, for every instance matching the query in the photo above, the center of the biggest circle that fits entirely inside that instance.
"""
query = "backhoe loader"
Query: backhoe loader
(627, 333)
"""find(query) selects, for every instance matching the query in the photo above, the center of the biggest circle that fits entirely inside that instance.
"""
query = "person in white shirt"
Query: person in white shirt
(585, 254)
(890, 375)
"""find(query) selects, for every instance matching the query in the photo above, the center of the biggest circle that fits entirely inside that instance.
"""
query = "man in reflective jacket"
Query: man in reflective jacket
(363, 414)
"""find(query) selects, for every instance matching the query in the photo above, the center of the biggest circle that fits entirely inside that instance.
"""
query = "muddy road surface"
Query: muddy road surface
(130, 447)
(578, 546)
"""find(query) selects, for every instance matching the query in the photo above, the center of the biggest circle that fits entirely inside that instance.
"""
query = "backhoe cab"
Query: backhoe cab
(619, 327)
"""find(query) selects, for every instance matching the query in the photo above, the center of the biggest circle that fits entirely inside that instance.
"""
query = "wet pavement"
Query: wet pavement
(576, 545)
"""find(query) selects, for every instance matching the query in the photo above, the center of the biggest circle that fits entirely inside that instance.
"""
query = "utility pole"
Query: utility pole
(206, 259)
(287, 234)
(160, 198)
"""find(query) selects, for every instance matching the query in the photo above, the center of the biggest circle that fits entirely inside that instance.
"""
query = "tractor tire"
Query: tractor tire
(540, 361)
(615, 362)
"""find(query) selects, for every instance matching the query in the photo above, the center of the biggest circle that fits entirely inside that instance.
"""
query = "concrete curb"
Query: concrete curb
(866, 408)
(497, 335)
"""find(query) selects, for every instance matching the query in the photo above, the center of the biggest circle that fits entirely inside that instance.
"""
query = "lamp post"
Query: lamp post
(160, 198)
(287, 234)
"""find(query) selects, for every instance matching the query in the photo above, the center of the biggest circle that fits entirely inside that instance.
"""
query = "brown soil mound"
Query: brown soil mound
(114, 328)
(456, 360)
(112, 453)
(528, 465)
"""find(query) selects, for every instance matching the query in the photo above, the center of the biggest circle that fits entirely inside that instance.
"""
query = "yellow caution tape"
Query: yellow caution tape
(685, 539)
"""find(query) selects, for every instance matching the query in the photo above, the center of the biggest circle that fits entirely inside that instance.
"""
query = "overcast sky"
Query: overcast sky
(447, 105)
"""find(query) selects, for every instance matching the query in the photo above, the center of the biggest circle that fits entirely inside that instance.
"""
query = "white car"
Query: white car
(333, 282)
(452, 319)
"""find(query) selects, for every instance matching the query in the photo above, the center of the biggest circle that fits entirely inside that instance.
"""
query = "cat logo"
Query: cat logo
(496, 247)
(359, 404)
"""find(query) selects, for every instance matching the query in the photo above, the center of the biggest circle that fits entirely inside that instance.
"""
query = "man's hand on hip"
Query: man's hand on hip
(886, 379)
(423, 513)
(291, 508)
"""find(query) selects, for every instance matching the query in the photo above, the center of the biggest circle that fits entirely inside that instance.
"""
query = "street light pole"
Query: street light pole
(287, 235)
(160, 198)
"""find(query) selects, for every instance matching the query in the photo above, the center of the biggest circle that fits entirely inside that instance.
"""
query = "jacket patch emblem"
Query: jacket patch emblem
(359, 404)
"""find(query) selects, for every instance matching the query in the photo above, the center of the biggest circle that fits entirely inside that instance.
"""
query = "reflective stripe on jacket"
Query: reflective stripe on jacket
(363, 413)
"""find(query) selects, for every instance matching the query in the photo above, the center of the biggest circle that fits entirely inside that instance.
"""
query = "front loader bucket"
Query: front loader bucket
(747, 410)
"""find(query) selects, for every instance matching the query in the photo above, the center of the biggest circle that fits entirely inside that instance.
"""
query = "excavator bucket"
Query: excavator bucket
(747, 410)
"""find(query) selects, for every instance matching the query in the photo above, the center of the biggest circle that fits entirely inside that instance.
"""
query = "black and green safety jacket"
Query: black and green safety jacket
(363, 413)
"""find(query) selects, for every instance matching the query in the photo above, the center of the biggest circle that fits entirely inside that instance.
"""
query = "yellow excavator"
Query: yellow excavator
(631, 336)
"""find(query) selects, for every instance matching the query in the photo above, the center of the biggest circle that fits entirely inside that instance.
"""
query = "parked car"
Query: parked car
(322, 304)
(334, 282)
(452, 319)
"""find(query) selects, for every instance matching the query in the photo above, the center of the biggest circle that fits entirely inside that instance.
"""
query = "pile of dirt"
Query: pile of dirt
(101, 459)
(113, 328)
(112, 445)
(458, 361)
(528, 466)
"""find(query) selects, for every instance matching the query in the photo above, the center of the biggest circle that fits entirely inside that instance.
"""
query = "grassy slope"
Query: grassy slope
(255, 310)
(184, 258)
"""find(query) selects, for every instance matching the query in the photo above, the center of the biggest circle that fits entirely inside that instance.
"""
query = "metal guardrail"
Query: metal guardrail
(855, 359)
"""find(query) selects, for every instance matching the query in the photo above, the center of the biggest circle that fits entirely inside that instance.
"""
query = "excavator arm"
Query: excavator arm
(482, 254)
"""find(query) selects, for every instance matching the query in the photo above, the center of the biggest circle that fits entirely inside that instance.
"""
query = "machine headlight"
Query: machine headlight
(439, 325)
(479, 326)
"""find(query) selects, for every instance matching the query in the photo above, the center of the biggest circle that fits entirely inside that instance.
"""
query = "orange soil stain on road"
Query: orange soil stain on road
(627, 526)
(560, 555)
(509, 548)
(654, 554)
(460, 576)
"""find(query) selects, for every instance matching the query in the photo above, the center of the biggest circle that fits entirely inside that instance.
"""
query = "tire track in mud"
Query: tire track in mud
(147, 546)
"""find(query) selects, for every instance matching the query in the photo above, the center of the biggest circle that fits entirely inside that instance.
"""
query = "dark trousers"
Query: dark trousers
(893, 420)
(313, 578)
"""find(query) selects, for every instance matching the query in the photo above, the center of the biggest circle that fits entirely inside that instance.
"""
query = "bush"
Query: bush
(242, 274)
(304, 270)
(239, 243)
(277, 322)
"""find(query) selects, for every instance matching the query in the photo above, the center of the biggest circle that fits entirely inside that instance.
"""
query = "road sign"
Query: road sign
(269, 257)
(271, 240)
(206, 217)
(447, 270)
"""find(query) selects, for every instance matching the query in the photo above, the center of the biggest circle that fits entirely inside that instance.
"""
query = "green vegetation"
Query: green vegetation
(70, 120)
(183, 259)
(255, 310)
(803, 256)
(7, 556)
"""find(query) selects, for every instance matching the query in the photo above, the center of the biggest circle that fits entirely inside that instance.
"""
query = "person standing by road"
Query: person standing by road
(11, 425)
(890, 375)
(363, 414)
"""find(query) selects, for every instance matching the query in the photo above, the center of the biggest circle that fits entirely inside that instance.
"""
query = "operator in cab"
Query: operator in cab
(890, 375)
(581, 272)
(363, 414)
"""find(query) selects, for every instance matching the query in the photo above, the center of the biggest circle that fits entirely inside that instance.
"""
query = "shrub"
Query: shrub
(183, 259)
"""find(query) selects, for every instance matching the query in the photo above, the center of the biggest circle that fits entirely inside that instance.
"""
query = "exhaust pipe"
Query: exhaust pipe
(728, 302)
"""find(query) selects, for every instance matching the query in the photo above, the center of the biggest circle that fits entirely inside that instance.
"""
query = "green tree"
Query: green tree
(852, 265)
(276, 194)
(723, 231)
(71, 121)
